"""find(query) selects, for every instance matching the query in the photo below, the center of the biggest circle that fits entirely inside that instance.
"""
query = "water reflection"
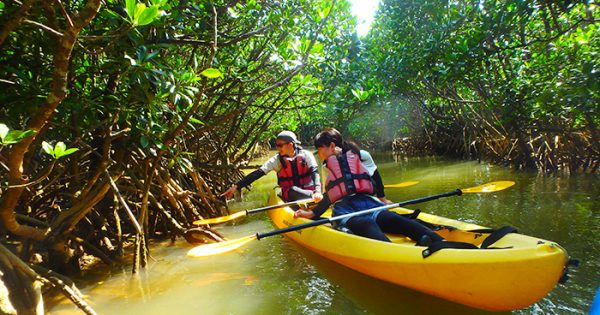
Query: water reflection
(379, 297)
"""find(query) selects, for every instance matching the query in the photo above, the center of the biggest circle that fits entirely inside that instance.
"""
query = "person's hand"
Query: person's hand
(385, 200)
(303, 214)
(317, 196)
(338, 150)
(229, 192)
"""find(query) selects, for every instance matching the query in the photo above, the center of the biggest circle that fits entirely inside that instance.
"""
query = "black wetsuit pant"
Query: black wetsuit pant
(389, 222)
(297, 193)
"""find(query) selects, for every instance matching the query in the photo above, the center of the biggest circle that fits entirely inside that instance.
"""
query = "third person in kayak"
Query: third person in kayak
(350, 188)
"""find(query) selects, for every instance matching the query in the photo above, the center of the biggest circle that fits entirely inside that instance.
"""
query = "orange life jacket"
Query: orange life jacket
(347, 176)
(294, 172)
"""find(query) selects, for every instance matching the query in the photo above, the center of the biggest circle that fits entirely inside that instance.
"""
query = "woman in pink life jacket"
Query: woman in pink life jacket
(297, 171)
(350, 188)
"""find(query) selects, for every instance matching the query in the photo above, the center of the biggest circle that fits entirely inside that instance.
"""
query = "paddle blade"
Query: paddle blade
(400, 185)
(220, 247)
(226, 218)
(489, 187)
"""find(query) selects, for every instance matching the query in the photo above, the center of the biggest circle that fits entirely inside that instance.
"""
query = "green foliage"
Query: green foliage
(515, 63)
(211, 73)
(139, 14)
(59, 150)
(150, 66)
(8, 136)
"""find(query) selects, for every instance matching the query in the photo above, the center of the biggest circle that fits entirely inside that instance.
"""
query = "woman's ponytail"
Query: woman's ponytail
(329, 135)
(349, 145)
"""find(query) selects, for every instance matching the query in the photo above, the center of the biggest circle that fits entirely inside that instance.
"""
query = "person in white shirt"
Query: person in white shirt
(297, 171)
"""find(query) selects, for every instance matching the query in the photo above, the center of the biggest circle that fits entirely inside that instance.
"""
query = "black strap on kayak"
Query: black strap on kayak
(490, 240)
(496, 235)
(442, 245)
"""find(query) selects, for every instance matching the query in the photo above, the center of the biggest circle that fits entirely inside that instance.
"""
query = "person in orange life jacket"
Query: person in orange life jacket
(297, 171)
(367, 161)
(350, 189)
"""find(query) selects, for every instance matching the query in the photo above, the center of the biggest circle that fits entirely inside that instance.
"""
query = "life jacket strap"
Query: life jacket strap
(295, 177)
(292, 178)
(340, 180)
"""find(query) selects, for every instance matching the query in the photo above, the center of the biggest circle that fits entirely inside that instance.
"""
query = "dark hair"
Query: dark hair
(329, 135)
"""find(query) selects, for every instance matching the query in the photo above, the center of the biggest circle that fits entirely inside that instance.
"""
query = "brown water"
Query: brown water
(274, 276)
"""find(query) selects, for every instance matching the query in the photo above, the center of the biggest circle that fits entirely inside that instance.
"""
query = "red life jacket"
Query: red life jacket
(347, 176)
(294, 172)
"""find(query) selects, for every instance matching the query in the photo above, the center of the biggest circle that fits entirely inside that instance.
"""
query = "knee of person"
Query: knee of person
(362, 224)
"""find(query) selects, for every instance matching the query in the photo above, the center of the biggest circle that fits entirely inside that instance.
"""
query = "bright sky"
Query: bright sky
(364, 10)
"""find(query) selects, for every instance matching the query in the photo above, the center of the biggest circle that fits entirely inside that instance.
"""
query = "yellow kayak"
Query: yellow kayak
(515, 272)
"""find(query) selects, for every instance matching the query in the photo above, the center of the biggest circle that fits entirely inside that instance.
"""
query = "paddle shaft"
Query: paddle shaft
(291, 203)
(457, 192)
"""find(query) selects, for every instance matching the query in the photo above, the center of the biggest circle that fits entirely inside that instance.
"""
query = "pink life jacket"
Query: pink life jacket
(294, 172)
(347, 176)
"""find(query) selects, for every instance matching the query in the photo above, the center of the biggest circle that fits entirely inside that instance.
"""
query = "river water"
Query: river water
(274, 276)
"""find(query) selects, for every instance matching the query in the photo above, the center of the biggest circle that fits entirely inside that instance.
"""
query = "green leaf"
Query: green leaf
(139, 9)
(48, 148)
(232, 13)
(15, 136)
(25, 134)
(70, 151)
(3, 131)
(148, 15)
(59, 149)
(196, 121)
(360, 95)
(211, 73)
(144, 142)
(12, 137)
(131, 60)
(130, 8)
(159, 3)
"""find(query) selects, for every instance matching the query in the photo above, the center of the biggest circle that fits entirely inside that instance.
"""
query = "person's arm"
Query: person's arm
(367, 161)
(247, 180)
(271, 164)
(317, 211)
(314, 171)
(379, 189)
(316, 178)
(250, 178)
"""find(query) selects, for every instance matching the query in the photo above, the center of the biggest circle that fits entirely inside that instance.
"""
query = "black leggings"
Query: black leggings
(389, 222)
(297, 193)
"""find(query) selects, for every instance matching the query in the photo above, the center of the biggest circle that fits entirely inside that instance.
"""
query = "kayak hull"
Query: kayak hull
(519, 273)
